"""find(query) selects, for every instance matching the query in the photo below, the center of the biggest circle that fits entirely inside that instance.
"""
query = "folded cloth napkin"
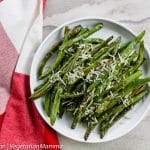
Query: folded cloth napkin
(20, 35)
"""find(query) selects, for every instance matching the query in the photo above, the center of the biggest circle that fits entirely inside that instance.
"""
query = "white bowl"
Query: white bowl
(62, 126)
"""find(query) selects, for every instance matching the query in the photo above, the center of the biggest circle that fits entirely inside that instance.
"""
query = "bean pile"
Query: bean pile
(97, 80)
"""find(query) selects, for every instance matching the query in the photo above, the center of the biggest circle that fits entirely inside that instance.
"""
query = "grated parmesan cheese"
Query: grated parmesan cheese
(113, 117)
(85, 56)
(77, 73)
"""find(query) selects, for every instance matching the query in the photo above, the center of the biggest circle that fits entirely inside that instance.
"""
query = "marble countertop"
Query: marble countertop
(135, 14)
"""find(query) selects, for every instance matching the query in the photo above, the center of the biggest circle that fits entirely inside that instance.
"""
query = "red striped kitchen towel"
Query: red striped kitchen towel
(20, 34)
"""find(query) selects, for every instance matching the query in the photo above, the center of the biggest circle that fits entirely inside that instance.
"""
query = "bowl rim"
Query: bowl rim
(45, 40)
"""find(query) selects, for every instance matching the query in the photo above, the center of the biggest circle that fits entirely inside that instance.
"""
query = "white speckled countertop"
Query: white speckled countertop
(135, 14)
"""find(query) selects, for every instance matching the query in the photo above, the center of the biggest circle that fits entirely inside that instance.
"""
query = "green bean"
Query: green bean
(115, 74)
(83, 30)
(40, 86)
(108, 102)
(101, 45)
(71, 95)
(103, 54)
(117, 109)
(93, 40)
(139, 60)
(55, 107)
(66, 34)
(128, 49)
(42, 91)
(47, 103)
(104, 103)
(46, 57)
(106, 125)
(75, 31)
(67, 44)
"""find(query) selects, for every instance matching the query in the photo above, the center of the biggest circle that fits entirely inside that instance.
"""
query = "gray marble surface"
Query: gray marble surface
(135, 14)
